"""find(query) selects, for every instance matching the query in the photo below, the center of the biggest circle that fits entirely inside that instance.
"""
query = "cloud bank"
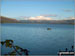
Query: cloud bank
(40, 18)
(69, 18)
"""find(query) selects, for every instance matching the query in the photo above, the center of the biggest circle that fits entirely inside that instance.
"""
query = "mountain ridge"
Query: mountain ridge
(8, 20)
(11, 20)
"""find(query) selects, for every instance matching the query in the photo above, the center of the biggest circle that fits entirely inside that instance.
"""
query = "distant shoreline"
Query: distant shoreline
(37, 23)
(10, 20)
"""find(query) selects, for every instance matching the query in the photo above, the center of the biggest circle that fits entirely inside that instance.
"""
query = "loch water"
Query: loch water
(37, 39)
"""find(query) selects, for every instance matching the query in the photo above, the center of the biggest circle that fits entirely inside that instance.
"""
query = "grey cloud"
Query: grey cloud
(67, 10)
(50, 15)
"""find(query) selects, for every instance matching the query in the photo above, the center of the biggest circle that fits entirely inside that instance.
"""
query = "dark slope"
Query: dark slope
(8, 20)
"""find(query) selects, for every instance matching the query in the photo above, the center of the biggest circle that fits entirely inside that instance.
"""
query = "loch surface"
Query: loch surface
(37, 39)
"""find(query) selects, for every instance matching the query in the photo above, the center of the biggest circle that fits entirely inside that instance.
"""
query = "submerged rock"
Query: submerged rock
(48, 28)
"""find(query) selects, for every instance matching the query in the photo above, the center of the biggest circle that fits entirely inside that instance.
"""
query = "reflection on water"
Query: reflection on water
(37, 39)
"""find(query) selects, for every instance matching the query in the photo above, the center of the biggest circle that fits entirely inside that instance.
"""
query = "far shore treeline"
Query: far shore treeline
(11, 20)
